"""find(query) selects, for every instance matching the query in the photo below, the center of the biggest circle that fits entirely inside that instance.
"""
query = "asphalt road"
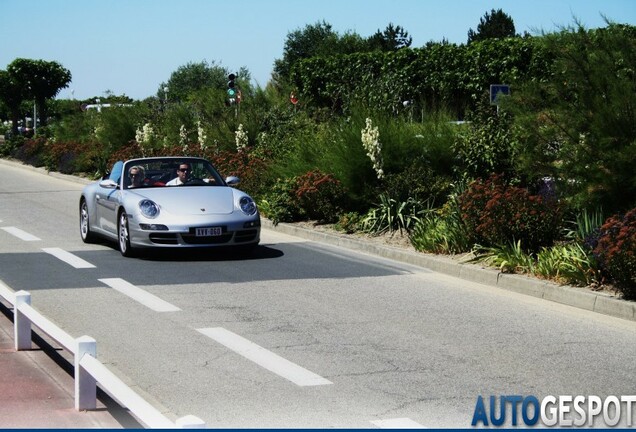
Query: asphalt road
(301, 334)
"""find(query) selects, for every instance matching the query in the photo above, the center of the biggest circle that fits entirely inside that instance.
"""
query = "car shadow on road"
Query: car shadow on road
(259, 252)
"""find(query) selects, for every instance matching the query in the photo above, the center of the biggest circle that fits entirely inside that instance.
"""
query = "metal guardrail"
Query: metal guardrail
(88, 369)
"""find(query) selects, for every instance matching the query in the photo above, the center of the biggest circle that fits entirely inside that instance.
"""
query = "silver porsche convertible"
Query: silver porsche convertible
(168, 202)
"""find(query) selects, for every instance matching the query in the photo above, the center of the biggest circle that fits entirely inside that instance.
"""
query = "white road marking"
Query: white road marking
(22, 235)
(267, 359)
(144, 297)
(397, 423)
(68, 258)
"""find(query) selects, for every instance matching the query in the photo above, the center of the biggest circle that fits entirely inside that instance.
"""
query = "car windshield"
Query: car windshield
(161, 172)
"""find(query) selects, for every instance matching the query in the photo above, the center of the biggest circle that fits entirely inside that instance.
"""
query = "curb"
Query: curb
(71, 178)
(581, 298)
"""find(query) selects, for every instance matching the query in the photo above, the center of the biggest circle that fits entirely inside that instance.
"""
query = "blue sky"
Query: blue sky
(132, 46)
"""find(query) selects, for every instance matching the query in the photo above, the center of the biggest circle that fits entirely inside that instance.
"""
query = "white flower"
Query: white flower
(371, 143)
(240, 138)
(201, 135)
(183, 138)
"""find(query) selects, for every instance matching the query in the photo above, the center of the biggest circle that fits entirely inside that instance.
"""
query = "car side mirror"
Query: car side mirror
(108, 184)
(232, 180)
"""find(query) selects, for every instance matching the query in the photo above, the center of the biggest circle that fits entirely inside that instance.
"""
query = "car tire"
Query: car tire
(123, 235)
(85, 227)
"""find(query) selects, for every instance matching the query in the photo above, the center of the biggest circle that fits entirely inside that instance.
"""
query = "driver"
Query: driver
(137, 176)
(183, 175)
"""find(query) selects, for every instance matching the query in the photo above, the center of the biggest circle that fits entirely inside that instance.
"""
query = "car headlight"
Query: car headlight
(149, 208)
(248, 206)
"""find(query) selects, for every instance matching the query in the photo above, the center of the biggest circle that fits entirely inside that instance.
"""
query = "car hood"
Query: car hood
(191, 200)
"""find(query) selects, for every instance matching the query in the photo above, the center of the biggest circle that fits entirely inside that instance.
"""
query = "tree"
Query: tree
(41, 80)
(495, 24)
(315, 40)
(190, 79)
(311, 41)
(578, 126)
(11, 95)
(391, 39)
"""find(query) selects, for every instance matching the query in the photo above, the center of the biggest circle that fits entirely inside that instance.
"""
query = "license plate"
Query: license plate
(208, 232)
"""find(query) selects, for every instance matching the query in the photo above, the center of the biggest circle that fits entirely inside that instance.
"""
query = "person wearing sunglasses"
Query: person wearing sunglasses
(137, 175)
(183, 174)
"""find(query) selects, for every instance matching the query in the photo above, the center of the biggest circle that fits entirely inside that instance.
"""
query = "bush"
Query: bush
(442, 230)
(279, 205)
(320, 196)
(499, 214)
(616, 252)
(349, 222)
(244, 164)
(30, 151)
(313, 195)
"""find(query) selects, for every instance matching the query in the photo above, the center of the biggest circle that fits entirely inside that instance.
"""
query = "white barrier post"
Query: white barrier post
(190, 422)
(85, 384)
(21, 324)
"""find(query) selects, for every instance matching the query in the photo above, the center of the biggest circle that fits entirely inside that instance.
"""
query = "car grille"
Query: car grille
(192, 239)
(163, 238)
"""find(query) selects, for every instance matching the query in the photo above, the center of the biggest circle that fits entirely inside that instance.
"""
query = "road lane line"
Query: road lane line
(267, 359)
(22, 235)
(68, 258)
(397, 423)
(144, 297)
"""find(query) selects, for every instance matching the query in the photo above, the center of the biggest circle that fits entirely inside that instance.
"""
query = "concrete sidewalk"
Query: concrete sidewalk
(37, 388)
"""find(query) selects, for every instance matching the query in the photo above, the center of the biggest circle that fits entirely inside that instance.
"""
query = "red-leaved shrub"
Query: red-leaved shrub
(616, 252)
(499, 214)
(320, 195)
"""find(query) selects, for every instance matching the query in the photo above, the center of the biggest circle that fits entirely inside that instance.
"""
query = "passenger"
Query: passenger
(183, 174)
(137, 176)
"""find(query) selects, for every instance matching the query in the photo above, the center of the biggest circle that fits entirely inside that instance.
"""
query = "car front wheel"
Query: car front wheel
(124, 236)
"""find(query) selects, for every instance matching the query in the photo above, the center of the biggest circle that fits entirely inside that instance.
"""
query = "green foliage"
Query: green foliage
(192, 78)
(578, 124)
(499, 214)
(508, 258)
(280, 205)
(586, 224)
(570, 263)
(443, 230)
(390, 215)
(486, 145)
(314, 40)
(349, 222)
(616, 252)
(436, 77)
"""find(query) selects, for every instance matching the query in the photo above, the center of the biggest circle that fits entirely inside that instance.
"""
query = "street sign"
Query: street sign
(496, 90)
(292, 98)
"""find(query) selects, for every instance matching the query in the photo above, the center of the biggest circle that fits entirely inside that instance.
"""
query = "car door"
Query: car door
(107, 198)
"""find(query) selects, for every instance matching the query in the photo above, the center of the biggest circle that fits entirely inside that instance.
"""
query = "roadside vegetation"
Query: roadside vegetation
(383, 137)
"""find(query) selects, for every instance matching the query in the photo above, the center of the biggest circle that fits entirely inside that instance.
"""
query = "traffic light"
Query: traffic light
(231, 88)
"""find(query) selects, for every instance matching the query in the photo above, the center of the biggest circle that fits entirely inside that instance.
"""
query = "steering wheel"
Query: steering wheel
(195, 182)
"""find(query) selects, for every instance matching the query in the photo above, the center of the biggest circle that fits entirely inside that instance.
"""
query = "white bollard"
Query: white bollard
(21, 324)
(85, 384)
(190, 422)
